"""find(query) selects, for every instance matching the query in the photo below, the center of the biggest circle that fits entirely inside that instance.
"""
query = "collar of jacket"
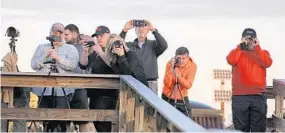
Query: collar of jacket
(137, 41)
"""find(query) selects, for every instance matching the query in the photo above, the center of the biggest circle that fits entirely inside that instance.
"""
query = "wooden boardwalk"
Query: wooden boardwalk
(133, 113)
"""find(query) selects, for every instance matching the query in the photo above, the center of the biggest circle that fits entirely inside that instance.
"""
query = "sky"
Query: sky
(210, 29)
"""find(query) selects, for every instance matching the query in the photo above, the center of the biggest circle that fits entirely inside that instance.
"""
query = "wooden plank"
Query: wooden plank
(278, 123)
(279, 87)
(161, 123)
(130, 110)
(139, 114)
(269, 92)
(209, 122)
(279, 106)
(58, 114)
(150, 124)
(40, 80)
(122, 107)
(60, 75)
(219, 122)
(170, 113)
(207, 112)
(115, 127)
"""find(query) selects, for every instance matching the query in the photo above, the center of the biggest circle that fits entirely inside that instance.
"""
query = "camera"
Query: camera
(12, 32)
(177, 61)
(139, 23)
(90, 43)
(54, 38)
(244, 46)
(117, 44)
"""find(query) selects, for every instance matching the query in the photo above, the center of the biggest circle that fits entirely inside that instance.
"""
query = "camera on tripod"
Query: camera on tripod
(54, 38)
(12, 32)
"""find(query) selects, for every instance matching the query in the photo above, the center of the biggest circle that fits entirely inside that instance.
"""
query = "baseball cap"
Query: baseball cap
(101, 30)
(249, 32)
(57, 27)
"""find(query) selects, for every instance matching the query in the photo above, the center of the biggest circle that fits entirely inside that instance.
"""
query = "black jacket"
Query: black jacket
(98, 66)
(129, 64)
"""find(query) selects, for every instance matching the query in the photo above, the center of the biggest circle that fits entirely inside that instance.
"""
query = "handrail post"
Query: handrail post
(139, 114)
(122, 108)
(279, 91)
(130, 110)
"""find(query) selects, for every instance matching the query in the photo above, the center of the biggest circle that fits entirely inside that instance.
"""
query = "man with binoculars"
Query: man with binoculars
(179, 76)
(249, 102)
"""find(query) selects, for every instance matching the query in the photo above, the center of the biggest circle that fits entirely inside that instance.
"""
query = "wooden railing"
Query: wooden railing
(135, 100)
(279, 91)
(208, 118)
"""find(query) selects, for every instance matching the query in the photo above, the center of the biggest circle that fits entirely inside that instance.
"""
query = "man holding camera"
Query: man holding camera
(80, 99)
(60, 57)
(95, 59)
(148, 50)
(249, 103)
(179, 76)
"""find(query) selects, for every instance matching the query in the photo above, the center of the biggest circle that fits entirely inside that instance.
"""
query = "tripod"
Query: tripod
(12, 44)
(177, 87)
(53, 69)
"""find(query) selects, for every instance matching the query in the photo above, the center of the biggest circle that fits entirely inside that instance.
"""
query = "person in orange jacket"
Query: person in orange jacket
(182, 68)
(249, 103)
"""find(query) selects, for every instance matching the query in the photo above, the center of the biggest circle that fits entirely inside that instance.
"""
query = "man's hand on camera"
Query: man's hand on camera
(244, 44)
(119, 51)
(149, 25)
(173, 62)
(97, 48)
(52, 53)
(128, 26)
(87, 50)
(256, 42)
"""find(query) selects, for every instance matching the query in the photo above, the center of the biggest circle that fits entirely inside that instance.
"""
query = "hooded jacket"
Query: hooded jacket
(184, 82)
(249, 70)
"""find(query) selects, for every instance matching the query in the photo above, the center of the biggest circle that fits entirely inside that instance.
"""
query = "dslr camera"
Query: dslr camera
(117, 44)
(12, 32)
(90, 43)
(139, 23)
(54, 38)
(246, 46)
(177, 61)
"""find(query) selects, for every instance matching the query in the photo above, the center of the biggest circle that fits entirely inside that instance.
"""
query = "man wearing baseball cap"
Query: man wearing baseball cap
(97, 62)
(249, 63)
(66, 59)
(102, 34)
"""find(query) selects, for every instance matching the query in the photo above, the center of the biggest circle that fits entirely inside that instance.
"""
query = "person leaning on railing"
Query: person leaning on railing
(184, 69)
(124, 61)
(66, 59)
(94, 58)
(79, 99)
